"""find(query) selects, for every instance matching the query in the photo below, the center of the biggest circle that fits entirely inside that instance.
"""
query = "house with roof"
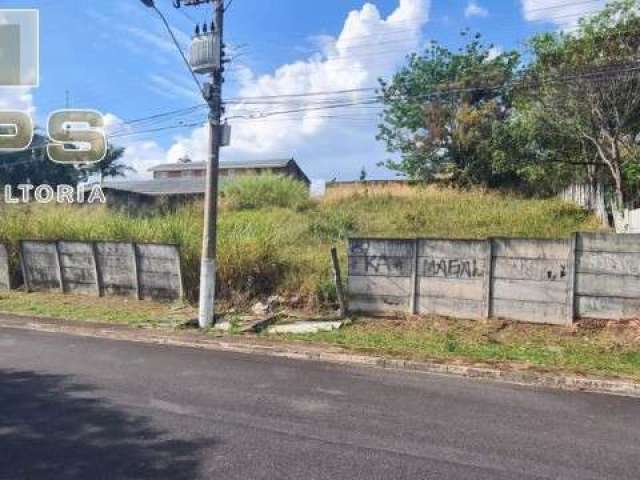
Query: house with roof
(187, 169)
(175, 184)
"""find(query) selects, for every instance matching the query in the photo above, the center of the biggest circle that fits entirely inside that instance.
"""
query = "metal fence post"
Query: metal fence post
(571, 279)
(338, 278)
(136, 274)
(413, 301)
(59, 266)
(23, 267)
(96, 268)
(488, 279)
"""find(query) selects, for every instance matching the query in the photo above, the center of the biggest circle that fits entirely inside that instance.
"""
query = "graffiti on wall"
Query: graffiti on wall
(458, 268)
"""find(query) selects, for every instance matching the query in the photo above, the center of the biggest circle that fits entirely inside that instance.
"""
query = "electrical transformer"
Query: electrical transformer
(205, 53)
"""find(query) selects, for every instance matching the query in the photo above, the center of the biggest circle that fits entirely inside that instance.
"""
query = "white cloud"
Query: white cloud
(554, 11)
(17, 98)
(495, 52)
(368, 47)
(475, 10)
(139, 154)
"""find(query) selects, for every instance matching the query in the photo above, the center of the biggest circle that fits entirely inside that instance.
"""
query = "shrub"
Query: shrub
(263, 191)
(333, 225)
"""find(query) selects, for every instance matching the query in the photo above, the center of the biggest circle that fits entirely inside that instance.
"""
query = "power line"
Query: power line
(159, 129)
(326, 62)
(158, 117)
(301, 95)
(563, 5)
(604, 73)
(178, 47)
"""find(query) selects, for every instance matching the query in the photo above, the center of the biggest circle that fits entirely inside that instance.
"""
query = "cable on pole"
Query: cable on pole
(179, 48)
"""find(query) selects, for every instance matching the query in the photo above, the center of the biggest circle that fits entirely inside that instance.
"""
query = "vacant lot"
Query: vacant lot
(278, 242)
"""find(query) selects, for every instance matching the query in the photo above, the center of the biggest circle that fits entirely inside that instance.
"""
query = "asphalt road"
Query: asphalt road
(80, 408)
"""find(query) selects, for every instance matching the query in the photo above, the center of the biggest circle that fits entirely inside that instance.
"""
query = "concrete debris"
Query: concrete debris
(304, 327)
(247, 324)
(223, 326)
(275, 300)
(261, 309)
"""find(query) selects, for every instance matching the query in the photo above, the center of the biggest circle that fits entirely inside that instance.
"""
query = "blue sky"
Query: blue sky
(114, 56)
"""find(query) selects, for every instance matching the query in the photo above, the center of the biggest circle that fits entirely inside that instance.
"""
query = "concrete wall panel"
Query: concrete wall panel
(5, 274)
(40, 268)
(159, 274)
(103, 268)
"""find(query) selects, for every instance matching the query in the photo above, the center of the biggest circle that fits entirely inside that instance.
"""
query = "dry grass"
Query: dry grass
(342, 192)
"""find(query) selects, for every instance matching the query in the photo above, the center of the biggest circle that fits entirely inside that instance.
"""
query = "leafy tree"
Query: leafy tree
(441, 111)
(589, 95)
(33, 166)
(363, 174)
(544, 161)
(112, 165)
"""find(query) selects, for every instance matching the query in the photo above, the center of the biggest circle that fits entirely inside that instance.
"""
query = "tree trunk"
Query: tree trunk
(618, 207)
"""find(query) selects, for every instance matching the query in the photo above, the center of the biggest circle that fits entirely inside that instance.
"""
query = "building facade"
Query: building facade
(175, 184)
(188, 169)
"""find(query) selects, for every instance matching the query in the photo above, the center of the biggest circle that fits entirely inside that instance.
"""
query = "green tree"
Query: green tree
(112, 166)
(32, 166)
(441, 111)
(545, 161)
(589, 96)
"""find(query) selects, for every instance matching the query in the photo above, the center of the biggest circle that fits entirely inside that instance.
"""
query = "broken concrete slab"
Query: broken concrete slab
(256, 325)
(247, 324)
(223, 326)
(304, 327)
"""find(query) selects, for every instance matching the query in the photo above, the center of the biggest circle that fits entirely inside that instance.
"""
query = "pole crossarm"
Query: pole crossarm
(189, 3)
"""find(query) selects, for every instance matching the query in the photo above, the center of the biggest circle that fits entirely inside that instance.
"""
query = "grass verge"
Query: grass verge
(109, 310)
(590, 348)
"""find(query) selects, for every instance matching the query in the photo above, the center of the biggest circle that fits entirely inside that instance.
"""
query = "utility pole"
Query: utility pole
(207, 57)
(213, 96)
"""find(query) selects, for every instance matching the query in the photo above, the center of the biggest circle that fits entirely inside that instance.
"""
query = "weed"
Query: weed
(262, 191)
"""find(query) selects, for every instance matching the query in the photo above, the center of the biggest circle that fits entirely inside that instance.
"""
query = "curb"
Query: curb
(326, 354)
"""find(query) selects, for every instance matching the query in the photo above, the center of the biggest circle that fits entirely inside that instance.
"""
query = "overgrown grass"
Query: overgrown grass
(603, 350)
(285, 250)
(265, 191)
